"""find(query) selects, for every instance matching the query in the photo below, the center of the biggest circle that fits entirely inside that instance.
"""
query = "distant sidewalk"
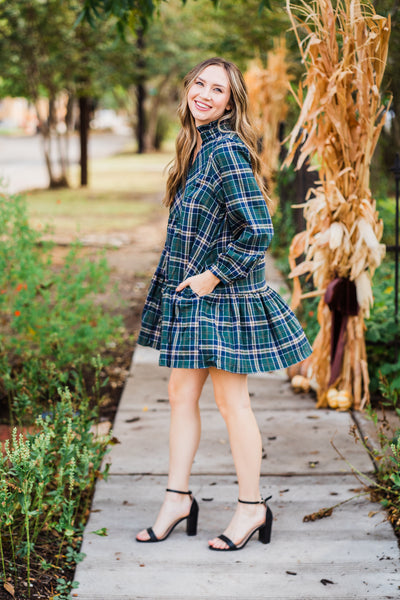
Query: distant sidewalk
(22, 165)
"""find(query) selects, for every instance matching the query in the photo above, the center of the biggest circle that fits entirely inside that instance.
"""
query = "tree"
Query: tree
(389, 142)
(29, 49)
(180, 37)
(44, 52)
(131, 11)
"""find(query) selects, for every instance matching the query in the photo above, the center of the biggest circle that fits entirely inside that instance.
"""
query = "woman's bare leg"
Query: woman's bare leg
(232, 398)
(184, 390)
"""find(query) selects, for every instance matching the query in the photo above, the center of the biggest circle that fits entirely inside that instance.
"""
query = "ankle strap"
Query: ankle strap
(256, 502)
(178, 492)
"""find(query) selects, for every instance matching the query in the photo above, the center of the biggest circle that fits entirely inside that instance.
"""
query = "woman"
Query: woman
(209, 310)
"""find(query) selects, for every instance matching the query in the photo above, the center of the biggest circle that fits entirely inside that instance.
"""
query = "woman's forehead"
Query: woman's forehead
(215, 74)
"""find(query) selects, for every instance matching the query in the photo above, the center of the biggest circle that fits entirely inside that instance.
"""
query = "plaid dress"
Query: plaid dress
(220, 222)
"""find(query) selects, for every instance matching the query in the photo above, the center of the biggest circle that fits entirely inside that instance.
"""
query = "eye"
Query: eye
(218, 90)
(199, 83)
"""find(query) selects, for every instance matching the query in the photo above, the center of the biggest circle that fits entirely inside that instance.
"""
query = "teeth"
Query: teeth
(201, 105)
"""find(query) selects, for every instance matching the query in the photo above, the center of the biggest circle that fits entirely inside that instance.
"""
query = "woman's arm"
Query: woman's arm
(246, 210)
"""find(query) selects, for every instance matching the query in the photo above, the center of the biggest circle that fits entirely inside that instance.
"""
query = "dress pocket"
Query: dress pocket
(186, 307)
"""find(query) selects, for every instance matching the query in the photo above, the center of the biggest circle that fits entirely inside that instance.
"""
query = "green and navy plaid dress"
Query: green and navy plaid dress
(220, 222)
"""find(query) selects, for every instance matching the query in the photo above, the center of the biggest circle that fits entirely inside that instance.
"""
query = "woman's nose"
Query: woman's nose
(205, 93)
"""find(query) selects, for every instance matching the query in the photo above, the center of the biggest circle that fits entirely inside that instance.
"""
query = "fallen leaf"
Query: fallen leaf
(133, 420)
(283, 491)
(372, 513)
(319, 514)
(102, 531)
(207, 499)
(9, 588)
(291, 573)
(326, 581)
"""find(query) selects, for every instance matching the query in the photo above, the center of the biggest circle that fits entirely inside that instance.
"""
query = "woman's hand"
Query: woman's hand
(200, 284)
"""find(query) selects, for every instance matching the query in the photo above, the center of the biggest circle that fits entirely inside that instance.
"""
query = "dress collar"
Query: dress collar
(211, 130)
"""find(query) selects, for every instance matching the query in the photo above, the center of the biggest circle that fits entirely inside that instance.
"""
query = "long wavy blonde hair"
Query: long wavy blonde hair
(236, 118)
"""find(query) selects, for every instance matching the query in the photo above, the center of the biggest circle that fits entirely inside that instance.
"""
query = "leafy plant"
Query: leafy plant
(381, 333)
(64, 588)
(46, 480)
(386, 455)
(52, 324)
(385, 486)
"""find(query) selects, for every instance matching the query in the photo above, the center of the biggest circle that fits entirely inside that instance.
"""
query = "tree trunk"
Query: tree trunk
(140, 94)
(83, 132)
(45, 131)
(153, 143)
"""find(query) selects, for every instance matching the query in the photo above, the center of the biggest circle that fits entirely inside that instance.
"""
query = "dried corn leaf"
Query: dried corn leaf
(344, 49)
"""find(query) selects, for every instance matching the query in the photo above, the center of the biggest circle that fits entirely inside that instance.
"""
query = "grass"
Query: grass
(123, 192)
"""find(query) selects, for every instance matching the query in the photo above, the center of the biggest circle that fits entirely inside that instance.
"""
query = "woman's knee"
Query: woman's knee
(231, 407)
(230, 392)
(185, 386)
(222, 405)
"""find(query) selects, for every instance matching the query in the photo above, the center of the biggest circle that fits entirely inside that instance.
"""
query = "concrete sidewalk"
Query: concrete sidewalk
(352, 554)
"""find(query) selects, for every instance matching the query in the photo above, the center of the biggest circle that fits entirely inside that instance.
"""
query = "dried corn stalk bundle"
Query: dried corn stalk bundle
(344, 50)
(268, 89)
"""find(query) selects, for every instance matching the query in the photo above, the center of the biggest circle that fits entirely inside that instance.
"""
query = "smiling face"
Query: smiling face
(209, 95)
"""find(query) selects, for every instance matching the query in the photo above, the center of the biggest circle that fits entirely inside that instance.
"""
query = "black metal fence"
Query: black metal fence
(396, 249)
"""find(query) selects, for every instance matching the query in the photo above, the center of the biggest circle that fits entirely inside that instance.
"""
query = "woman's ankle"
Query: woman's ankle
(177, 498)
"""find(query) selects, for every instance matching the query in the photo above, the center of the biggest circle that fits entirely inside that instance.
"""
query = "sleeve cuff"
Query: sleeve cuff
(218, 273)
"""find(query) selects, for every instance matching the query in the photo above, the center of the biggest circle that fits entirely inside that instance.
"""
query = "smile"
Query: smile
(201, 106)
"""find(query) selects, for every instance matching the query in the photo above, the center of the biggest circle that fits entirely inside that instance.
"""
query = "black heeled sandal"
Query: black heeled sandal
(264, 530)
(191, 523)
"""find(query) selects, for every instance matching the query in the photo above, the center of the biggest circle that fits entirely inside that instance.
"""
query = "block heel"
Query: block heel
(264, 533)
(191, 522)
(264, 530)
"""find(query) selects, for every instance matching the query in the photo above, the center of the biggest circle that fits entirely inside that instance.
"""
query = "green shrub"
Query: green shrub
(46, 483)
(283, 219)
(381, 331)
(51, 324)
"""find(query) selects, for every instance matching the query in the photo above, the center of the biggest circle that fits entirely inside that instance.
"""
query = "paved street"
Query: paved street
(22, 165)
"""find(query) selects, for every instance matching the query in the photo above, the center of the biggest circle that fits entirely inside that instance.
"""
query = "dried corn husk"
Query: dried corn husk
(267, 91)
(344, 50)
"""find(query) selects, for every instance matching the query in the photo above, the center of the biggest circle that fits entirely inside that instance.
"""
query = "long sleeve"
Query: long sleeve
(246, 211)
